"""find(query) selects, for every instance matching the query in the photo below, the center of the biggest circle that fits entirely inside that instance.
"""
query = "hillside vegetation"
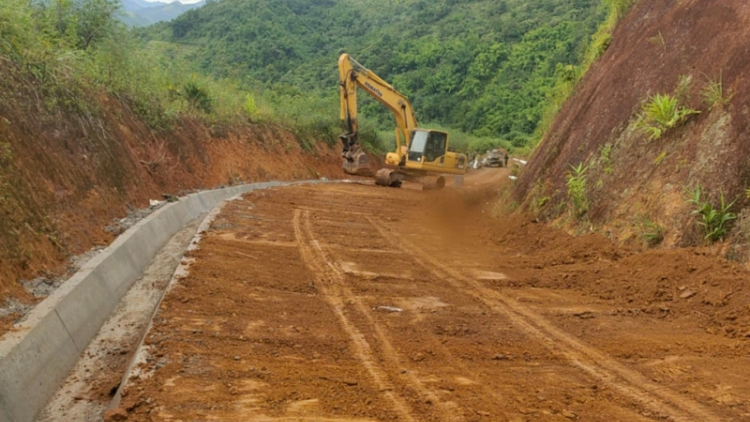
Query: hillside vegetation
(485, 67)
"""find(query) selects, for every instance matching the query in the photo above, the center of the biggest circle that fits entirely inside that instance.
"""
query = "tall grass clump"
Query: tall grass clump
(715, 221)
(713, 93)
(576, 182)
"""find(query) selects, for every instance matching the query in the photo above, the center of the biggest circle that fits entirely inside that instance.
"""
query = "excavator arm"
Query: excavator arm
(353, 75)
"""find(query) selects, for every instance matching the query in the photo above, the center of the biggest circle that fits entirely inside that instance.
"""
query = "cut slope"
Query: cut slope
(68, 170)
(655, 46)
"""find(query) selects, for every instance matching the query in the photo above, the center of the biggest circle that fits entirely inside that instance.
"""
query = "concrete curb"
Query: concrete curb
(40, 351)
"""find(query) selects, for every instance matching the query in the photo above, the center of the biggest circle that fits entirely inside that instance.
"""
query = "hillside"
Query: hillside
(483, 66)
(92, 129)
(638, 186)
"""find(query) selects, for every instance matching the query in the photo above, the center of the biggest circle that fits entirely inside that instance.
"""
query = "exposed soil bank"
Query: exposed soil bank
(656, 46)
(66, 173)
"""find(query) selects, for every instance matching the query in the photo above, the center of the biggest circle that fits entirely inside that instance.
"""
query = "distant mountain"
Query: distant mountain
(143, 13)
(134, 5)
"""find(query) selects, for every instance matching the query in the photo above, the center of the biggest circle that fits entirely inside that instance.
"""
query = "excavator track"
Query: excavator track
(390, 178)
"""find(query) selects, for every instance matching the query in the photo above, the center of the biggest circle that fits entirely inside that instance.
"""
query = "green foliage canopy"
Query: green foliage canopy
(483, 66)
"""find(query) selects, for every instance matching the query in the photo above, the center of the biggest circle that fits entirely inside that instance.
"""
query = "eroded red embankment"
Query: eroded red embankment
(66, 172)
(658, 44)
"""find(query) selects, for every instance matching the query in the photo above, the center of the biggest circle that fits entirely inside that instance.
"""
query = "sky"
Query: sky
(170, 1)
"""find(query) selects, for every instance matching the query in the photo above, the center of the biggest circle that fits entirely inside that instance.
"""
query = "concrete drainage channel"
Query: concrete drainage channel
(39, 353)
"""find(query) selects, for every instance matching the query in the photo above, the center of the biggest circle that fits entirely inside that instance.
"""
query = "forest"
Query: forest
(484, 67)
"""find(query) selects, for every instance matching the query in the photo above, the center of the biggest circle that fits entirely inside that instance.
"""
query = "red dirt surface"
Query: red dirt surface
(348, 302)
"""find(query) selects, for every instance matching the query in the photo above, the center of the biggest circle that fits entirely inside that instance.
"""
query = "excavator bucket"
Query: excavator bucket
(357, 162)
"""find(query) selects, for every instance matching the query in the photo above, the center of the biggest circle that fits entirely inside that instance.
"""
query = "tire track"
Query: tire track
(340, 292)
(331, 279)
(325, 277)
(627, 382)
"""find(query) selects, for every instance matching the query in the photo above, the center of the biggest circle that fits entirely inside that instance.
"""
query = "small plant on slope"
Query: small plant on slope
(661, 113)
(652, 232)
(715, 221)
(605, 152)
(714, 95)
(577, 189)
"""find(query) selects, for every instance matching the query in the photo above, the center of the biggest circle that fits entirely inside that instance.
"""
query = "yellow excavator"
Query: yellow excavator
(421, 155)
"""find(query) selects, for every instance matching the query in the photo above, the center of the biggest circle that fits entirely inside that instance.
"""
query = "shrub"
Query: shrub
(715, 221)
(661, 113)
(621, 7)
(196, 97)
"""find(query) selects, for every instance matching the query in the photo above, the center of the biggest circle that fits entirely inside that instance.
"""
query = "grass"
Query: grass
(715, 221)
(661, 113)
(652, 232)
(713, 93)
(620, 7)
(6, 155)
(659, 40)
(605, 152)
(576, 182)
(660, 157)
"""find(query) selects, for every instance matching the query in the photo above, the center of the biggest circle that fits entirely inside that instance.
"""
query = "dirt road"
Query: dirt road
(346, 302)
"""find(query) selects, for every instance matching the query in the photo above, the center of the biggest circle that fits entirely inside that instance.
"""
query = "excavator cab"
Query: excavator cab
(427, 149)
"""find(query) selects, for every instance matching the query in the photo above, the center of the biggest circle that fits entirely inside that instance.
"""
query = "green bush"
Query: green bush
(621, 7)
(196, 97)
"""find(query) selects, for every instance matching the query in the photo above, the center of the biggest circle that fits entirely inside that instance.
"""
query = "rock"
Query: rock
(115, 415)
(236, 358)
(501, 357)
(584, 314)
(570, 415)
(687, 294)
(350, 382)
